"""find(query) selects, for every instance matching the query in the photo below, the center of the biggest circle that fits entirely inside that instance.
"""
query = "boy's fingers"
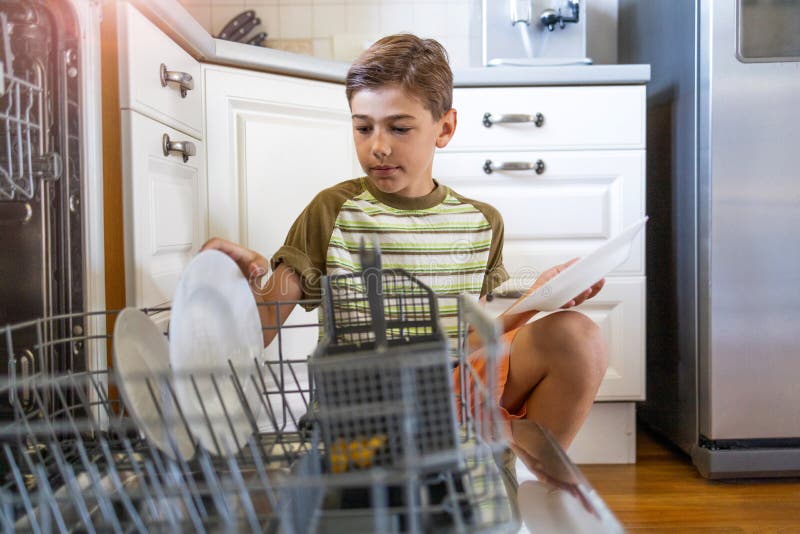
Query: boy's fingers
(552, 271)
(256, 269)
(215, 243)
(568, 263)
(595, 289)
(211, 244)
(251, 263)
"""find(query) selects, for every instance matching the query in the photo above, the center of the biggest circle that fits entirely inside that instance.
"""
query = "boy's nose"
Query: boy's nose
(380, 147)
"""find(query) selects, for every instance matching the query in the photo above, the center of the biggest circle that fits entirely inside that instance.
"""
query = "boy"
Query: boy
(400, 95)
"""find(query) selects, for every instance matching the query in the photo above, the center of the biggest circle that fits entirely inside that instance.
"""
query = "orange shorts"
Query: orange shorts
(477, 360)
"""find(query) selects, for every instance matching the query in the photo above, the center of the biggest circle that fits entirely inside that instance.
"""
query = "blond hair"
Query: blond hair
(418, 66)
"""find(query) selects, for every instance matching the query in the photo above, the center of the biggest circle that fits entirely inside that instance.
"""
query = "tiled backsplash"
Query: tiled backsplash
(340, 29)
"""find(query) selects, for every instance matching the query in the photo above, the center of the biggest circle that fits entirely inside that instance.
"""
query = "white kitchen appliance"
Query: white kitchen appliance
(534, 32)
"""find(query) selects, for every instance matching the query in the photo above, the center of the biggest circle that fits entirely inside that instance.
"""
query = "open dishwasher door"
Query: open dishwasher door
(49, 189)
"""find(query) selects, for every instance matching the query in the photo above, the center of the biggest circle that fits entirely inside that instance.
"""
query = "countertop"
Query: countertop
(178, 23)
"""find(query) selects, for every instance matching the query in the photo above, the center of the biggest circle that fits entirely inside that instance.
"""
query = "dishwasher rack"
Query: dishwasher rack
(72, 458)
(25, 112)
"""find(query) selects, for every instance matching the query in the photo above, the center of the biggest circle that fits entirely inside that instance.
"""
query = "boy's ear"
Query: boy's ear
(447, 127)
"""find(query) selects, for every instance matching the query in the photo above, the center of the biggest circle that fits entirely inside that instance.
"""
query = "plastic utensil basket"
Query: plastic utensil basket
(382, 374)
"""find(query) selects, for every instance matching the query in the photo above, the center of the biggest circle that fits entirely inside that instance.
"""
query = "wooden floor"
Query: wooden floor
(663, 492)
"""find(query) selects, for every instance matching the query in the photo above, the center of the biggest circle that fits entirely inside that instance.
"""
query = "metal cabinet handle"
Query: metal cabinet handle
(489, 119)
(538, 166)
(185, 148)
(183, 79)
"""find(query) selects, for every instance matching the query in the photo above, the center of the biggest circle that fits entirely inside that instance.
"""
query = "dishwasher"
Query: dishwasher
(375, 441)
(41, 185)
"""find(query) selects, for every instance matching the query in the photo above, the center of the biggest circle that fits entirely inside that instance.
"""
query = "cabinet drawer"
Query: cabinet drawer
(143, 49)
(581, 200)
(164, 201)
(573, 117)
(619, 310)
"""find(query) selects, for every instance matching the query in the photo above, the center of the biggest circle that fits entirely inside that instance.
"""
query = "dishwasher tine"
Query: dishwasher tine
(73, 456)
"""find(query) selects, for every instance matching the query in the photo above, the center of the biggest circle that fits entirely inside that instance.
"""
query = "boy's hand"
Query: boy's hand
(252, 264)
(514, 320)
(550, 273)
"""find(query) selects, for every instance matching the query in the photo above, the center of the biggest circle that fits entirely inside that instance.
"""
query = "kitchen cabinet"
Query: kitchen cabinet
(165, 206)
(277, 141)
(565, 166)
(163, 159)
(571, 118)
(157, 77)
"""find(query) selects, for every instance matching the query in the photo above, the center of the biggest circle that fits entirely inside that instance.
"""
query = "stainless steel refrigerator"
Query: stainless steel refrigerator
(723, 350)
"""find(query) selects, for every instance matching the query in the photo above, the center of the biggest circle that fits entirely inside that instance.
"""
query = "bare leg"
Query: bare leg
(555, 369)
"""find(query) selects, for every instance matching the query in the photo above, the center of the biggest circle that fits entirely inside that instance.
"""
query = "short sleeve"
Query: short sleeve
(303, 252)
(496, 272)
(306, 245)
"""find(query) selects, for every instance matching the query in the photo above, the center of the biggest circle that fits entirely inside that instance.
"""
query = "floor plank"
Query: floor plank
(663, 492)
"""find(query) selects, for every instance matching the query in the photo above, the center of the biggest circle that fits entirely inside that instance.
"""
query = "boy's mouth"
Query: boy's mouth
(384, 170)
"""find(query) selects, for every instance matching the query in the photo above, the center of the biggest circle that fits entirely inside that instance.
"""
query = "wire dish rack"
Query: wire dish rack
(73, 458)
(24, 126)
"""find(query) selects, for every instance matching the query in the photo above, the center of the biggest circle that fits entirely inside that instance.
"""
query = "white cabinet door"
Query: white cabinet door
(143, 49)
(277, 141)
(619, 311)
(579, 118)
(579, 201)
(165, 209)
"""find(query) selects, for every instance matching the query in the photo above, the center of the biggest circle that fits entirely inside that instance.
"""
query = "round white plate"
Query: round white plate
(141, 356)
(579, 276)
(215, 325)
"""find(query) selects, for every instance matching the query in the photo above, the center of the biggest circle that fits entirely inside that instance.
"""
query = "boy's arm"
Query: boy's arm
(510, 321)
(283, 286)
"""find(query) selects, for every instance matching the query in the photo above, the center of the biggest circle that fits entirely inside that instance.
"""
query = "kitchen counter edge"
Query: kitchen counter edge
(178, 23)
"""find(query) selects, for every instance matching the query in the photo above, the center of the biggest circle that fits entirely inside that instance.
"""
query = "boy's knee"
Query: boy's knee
(574, 336)
(587, 340)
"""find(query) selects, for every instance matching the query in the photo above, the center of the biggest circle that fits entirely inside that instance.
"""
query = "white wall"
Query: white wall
(340, 29)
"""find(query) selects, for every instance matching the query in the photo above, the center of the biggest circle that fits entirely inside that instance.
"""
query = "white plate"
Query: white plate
(141, 355)
(215, 324)
(579, 276)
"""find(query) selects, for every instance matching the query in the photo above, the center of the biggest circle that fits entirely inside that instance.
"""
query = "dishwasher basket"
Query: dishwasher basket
(382, 374)
(72, 458)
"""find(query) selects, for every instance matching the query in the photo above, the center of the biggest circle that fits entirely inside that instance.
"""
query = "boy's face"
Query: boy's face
(395, 138)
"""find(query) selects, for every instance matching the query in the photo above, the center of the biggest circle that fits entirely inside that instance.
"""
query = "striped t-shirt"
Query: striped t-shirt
(450, 243)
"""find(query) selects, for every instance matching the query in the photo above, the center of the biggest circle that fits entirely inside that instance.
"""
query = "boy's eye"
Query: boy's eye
(400, 129)
(363, 129)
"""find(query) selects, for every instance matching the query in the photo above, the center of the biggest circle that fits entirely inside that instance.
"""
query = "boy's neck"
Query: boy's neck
(430, 196)
(419, 190)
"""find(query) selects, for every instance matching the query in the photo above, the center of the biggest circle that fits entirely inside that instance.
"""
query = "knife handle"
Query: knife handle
(235, 23)
(258, 39)
(243, 30)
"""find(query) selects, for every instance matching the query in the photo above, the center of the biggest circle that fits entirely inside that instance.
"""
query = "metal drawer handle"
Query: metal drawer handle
(185, 148)
(183, 79)
(489, 119)
(490, 167)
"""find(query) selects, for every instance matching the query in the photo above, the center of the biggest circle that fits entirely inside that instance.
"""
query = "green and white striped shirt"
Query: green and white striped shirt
(450, 243)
